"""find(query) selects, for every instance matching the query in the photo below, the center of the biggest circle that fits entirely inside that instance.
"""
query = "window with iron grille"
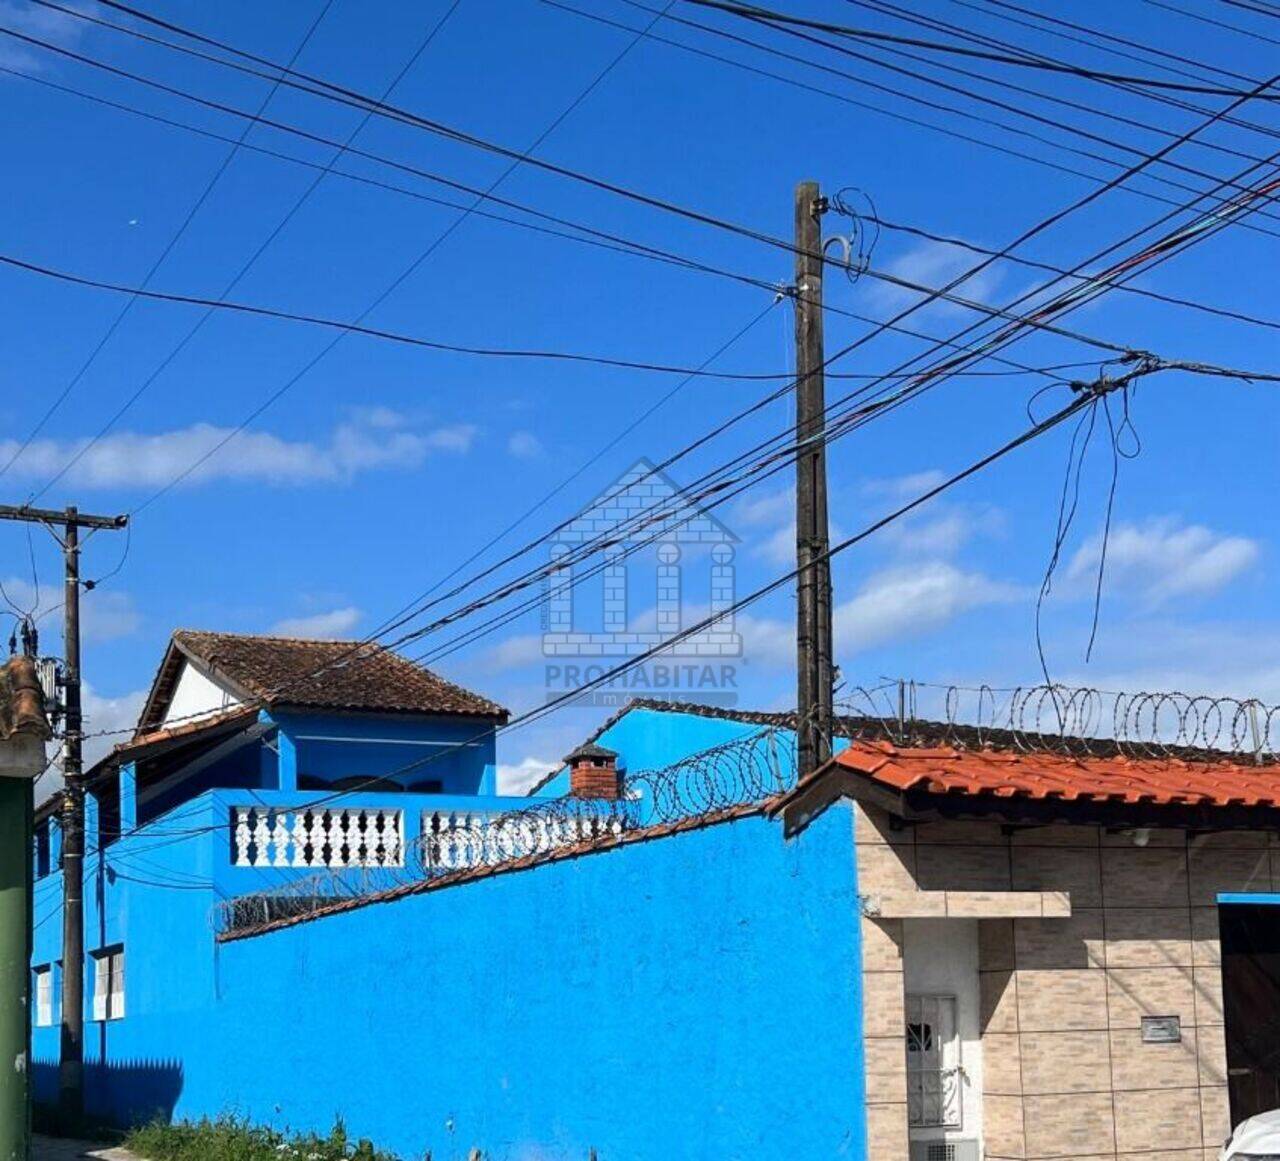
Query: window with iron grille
(933, 1063)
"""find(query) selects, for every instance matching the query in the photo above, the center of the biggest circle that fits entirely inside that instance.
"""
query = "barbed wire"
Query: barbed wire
(364, 853)
(1078, 720)
(452, 842)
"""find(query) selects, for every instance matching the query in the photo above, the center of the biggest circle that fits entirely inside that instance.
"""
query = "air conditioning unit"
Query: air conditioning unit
(945, 1151)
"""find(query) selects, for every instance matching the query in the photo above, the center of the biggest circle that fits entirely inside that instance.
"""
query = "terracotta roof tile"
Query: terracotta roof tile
(21, 700)
(341, 675)
(1069, 777)
(210, 724)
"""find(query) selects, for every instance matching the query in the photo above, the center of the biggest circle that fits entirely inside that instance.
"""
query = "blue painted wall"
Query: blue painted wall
(696, 996)
(693, 996)
(650, 739)
(153, 891)
(459, 753)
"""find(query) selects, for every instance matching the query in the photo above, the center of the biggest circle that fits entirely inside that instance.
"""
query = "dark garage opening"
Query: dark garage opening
(1250, 935)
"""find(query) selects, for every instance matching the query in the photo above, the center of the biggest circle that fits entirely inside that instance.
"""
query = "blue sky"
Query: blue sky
(384, 467)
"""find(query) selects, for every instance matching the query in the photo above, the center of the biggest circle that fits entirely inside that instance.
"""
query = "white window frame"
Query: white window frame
(42, 990)
(935, 1071)
(108, 983)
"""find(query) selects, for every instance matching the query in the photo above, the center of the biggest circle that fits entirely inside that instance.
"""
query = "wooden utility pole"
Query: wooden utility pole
(71, 1061)
(814, 665)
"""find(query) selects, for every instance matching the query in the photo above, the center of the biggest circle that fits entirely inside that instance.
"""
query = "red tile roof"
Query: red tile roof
(213, 723)
(1065, 777)
(290, 671)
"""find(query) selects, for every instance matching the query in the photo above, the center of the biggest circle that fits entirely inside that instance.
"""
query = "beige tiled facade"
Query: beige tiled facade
(1066, 1073)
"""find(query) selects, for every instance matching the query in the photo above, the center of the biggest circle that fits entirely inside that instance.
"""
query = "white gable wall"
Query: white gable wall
(196, 695)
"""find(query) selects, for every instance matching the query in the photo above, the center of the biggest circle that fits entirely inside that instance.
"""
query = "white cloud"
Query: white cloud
(908, 602)
(106, 614)
(42, 23)
(941, 536)
(892, 605)
(109, 713)
(933, 265)
(331, 624)
(767, 524)
(510, 653)
(766, 508)
(1216, 659)
(374, 439)
(942, 530)
(905, 487)
(457, 438)
(107, 721)
(524, 445)
(1162, 559)
(521, 777)
(766, 640)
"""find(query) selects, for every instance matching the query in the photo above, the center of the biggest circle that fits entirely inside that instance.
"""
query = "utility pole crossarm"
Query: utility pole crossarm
(60, 516)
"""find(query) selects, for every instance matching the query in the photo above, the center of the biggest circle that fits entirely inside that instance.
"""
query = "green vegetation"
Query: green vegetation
(229, 1138)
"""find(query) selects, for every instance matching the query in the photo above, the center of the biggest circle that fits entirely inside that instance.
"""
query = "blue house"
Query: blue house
(945, 943)
(256, 761)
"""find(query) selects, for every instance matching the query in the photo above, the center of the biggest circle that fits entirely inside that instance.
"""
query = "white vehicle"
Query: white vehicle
(1257, 1139)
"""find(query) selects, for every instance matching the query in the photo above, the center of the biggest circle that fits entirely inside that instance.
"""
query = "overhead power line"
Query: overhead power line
(320, 87)
(1049, 122)
(1048, 267)
(770, 16)
(1074, 298)
(1088, 396)
(1193, 67)
(1071, 209)
(325, 89)
(201, 199)
(895, 113)
(1223, 24)
(585, 234)
(886, 7)
(298, 203)
(377, 332)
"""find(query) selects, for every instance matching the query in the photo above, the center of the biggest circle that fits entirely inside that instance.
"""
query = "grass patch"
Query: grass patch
(229, 1138)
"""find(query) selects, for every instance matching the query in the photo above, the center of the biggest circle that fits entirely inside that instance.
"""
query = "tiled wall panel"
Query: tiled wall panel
(1066, 1072)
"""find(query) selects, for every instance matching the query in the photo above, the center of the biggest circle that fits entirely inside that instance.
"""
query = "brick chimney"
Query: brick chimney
(593, 772)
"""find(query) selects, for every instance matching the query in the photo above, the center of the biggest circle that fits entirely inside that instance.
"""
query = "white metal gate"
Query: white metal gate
(934, 1069)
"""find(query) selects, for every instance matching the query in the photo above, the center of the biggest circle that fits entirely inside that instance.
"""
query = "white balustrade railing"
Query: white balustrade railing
(457, 839)
(268, 836)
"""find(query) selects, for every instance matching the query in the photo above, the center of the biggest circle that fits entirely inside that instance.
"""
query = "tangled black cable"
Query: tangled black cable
(856, 205)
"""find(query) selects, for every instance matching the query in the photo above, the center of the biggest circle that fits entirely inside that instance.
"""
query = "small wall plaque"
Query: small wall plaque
(1161, 1030)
